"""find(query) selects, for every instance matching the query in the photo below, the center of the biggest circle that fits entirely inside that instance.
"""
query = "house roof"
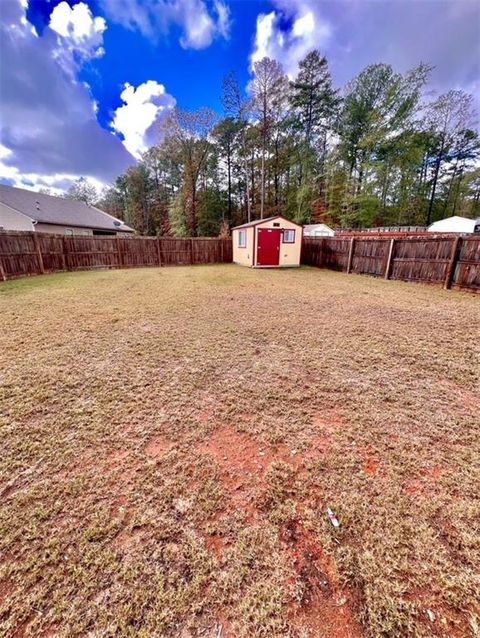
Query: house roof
(47, 209)
(256, 222)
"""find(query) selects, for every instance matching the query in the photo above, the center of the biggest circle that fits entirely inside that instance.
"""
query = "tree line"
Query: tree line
(381, 153)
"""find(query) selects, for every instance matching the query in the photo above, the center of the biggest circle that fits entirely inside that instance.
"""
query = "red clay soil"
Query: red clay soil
(370, 466)
(6, 589)
(324, 605)
(425, 483)
(434, 615)
(328, 422)
(242, 462)
(156, 446)
(215, 544)
(237, 452)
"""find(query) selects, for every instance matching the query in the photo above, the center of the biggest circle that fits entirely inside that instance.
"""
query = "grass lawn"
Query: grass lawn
(170, 440)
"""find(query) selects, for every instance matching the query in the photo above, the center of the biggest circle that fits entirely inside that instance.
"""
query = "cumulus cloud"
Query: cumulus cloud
(152, 18)
(48, 125)
(288, 33)
(354, 34)
(79, 27)
(79, 35)
(143, 107)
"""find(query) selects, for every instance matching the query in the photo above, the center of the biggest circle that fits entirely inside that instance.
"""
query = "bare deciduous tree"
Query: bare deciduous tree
(238, 107)
(447, 119)
(187, 135)
(269, 89)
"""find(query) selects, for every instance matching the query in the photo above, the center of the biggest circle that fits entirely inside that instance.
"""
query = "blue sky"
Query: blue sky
(193, 76)
(84, 84)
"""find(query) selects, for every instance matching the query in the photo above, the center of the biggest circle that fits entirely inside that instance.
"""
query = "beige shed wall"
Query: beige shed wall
(243, 256)
(289, 253)
(11, 219)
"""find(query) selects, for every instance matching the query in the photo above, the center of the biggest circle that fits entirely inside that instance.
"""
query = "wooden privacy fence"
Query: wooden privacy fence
(30, 253)
(452, 261)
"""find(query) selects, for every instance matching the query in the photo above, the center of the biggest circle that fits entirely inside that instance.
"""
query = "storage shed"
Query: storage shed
(455, 224)
(267, 243)
(317, 230)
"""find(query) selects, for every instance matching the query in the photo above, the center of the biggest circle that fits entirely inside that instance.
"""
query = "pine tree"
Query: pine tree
(313, 99)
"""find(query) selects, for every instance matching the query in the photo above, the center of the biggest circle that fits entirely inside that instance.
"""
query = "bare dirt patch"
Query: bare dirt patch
(242, 461)
(370, 466)
(157, 446)
(324, 605)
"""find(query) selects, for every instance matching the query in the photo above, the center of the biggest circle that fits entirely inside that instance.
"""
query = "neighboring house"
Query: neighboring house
(317, 230)
(21, 209)
(267, 243)
(455, 224)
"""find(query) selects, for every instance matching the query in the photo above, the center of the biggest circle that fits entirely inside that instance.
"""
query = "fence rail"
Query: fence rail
(30, 253)
(452, 261)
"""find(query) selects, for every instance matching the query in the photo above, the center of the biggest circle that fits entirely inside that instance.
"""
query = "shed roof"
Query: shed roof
(47, 209)
(256, 222)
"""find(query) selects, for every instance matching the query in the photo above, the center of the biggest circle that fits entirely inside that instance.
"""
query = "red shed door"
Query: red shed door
(268, 251)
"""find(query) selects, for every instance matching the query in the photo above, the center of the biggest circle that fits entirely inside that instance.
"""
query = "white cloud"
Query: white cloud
(4, 151)
(78, 29)
(57, 183)
(48, 130)
(143, 107)
(77, 23)
(155, 17)
(306, 30)
(223, 21)
(199, 27)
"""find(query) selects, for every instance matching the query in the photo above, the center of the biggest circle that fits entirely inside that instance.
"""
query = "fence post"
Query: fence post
(388, 265)
(39, 252)
(320, 254)
(2, 270)
(452, 262)
(119, 252)
(350, 255)
(191, 251)
(159, 252)
(64, 253)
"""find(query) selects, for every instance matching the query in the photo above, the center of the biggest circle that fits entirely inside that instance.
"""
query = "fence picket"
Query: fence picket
(424, 259)
(350, 254)
(389, 258)
(448, 261)
(27, 253)
(451, 263)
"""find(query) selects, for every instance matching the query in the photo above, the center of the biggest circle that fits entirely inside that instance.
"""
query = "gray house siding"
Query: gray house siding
(13, 220)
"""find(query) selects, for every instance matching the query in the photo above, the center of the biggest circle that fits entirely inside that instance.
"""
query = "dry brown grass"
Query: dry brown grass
(170, 439)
